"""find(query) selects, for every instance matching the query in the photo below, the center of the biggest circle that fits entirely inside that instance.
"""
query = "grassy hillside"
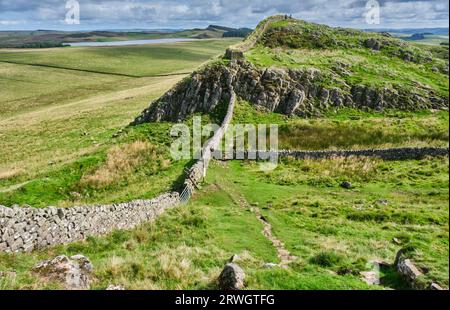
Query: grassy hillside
(352, 57)
(59, 148)
(333, 232)
(353, 129)
(57, 121)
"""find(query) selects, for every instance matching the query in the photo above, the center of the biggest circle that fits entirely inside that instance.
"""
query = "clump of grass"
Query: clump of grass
(326, 259)
(123, 160)
(353, 268)
(348, 167)
(325, 171)
(331, 172)
(196, 218)
(7, 174)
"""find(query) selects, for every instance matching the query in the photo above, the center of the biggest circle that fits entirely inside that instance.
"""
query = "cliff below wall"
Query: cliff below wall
(302, 92)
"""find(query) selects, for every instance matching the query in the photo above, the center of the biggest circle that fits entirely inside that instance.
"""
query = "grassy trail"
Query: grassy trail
(284, 256)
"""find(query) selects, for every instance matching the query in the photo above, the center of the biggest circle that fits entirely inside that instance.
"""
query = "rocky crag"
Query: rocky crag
(288, 91)
(309, 90)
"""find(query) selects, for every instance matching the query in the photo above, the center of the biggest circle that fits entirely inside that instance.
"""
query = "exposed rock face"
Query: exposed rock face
(232, 278)
(303, 92)
(73, 273)
(407, 269)
(373, 44)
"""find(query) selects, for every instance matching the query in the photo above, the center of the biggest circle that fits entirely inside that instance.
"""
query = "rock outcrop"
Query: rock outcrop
(407, 269)
(73, 273)
(302, 92)
(232, 278)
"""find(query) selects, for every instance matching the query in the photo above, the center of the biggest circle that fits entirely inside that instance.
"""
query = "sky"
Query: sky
(183, 14)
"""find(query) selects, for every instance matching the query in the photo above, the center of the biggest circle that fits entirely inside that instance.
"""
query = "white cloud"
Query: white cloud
(11, 22)
(192, 13)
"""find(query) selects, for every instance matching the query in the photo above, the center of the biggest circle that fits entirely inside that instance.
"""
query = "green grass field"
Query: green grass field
(49, 38)
(333, 232)
(57, 120)
(352, 129)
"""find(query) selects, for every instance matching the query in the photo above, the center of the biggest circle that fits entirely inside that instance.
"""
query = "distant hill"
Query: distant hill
(411, 31)
(238, 33)
(51, 38)
(417, 37)
(430, 36)
(220, 28)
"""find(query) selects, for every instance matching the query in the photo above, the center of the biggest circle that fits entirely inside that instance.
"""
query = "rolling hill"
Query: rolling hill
(311, 223)
(49, 38)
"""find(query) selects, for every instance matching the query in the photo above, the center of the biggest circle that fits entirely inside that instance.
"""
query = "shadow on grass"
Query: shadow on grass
(391, 279)
(177, 185)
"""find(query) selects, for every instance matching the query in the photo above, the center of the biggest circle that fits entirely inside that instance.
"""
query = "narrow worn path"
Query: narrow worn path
(283, 254)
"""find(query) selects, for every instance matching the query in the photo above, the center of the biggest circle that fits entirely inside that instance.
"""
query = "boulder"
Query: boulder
(371, 277)
(270, 265)
(232, 278)
(73, 273)
(435, 287)
(407, 269)
(374, 44)
(112, 287)
(383, 202)
(346, 185)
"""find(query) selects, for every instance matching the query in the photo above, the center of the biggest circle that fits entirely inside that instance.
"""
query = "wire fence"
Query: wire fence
(186, 195)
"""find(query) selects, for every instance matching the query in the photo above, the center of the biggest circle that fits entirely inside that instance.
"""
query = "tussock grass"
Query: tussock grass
(352, 129)
(6, 174)
(326, 259)
(122, 161)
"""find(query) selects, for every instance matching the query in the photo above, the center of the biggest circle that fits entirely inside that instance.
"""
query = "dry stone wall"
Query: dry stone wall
(28, 229)
(237, 51)
(385, 154)
(198, 170)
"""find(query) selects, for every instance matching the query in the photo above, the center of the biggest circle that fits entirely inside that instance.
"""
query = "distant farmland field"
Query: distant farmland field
(60, 107)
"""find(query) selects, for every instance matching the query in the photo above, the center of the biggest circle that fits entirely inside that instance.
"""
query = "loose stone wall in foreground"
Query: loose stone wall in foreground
(28, 229)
